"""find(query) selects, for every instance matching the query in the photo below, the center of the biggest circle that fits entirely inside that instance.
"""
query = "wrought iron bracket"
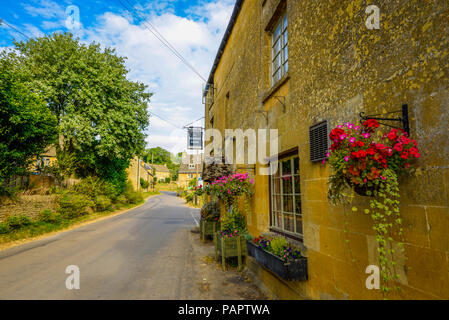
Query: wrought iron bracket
(403, 119)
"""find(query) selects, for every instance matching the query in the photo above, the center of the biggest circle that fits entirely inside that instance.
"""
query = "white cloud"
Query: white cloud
(177, 90)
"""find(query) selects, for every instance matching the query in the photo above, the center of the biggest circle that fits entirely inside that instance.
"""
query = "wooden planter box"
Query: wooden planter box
(208, 228)
(292, 271)
(229, 248)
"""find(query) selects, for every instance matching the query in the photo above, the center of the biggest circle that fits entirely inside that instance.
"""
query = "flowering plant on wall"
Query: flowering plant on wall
(369, 162)
(229, 188)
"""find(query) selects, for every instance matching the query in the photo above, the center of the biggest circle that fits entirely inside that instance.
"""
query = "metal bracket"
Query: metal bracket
(263, 113)
(278, 98)
(404, 119)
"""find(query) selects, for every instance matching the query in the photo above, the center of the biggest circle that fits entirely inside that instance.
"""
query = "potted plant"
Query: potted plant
(279, 257)
(230, 241)
(369, 162)
(209, 223)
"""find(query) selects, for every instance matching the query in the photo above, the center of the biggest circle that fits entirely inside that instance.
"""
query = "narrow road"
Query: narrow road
(141, 254)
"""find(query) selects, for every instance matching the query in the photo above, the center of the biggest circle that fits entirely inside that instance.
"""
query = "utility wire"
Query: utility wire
(2, 21)
(161, 38)
(158, 116)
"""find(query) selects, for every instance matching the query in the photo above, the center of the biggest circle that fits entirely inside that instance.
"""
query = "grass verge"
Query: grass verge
(39, 228)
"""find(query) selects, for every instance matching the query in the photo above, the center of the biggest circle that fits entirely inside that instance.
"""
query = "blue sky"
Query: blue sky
(193, 27)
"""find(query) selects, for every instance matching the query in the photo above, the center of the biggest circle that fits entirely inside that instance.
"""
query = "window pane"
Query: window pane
(277, 203)
(298, 224)
(286, 167)
(287, 187)
(277, 173)
(285, 38)
(284, 23)
(298, 204)
(285, 66)
(289, 223)
(277, 32)
(277, 76)
(276, 187)
(296, 166)
(278, 219)
(285, 56)
(277, 47)
(288, 203)
(276, 63)
(297, 182)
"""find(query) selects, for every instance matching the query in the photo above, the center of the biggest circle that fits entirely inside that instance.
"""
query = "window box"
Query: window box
(291, 271)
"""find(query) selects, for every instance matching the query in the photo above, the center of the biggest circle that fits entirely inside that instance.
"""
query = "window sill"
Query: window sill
(275, 87)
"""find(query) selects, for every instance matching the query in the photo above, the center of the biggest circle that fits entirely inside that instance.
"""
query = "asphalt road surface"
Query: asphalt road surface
(141, 254)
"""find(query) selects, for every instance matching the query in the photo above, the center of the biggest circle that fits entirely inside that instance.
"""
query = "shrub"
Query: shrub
(4, 228)
(189, 197)
(210, 211)
(17, 222)
(234, 221)
(94, 187)
(278, 245)
(131, 195)
(49, 216)
(102, 203)
(73, 205)
(121, 199)
(144, 184)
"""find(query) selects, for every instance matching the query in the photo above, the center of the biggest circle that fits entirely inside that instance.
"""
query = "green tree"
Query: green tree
(102, 115)
(157, 155)
(27, 126)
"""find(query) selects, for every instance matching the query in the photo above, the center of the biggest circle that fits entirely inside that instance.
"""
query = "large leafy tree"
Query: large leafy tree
(102, 115)
(27, 127)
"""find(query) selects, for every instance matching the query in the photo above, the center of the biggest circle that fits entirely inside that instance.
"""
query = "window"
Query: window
(286, 213)
(191, 166)
(279, 48)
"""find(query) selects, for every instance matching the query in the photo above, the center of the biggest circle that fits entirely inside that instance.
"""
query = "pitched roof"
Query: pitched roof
(160, 168)
(185, 168)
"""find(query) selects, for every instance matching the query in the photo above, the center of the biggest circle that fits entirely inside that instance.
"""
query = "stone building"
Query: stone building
(161, 172)
(137, 170)
(290, 64)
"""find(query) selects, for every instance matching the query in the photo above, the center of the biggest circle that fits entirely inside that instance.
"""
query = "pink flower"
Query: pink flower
(357, 128)
(352, 140)
(366, 135)
(229, 191)
(347, 158)
(342, 136)
(252, 181)
(324, 161)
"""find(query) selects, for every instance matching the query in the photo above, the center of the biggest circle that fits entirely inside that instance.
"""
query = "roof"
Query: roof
(185, 168)
(224, 41)
(160, 168)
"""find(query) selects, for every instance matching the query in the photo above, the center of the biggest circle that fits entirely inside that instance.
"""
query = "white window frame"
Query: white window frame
(279, 49)
(296, 212)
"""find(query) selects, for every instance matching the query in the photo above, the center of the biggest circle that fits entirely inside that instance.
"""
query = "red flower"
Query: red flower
(370, 125)
(354, 172)
(405, 155)
(374, 174)
(393, 135)
(335, 134)
(398, 147)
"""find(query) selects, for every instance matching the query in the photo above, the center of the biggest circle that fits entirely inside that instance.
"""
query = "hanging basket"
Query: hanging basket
(362, 190)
